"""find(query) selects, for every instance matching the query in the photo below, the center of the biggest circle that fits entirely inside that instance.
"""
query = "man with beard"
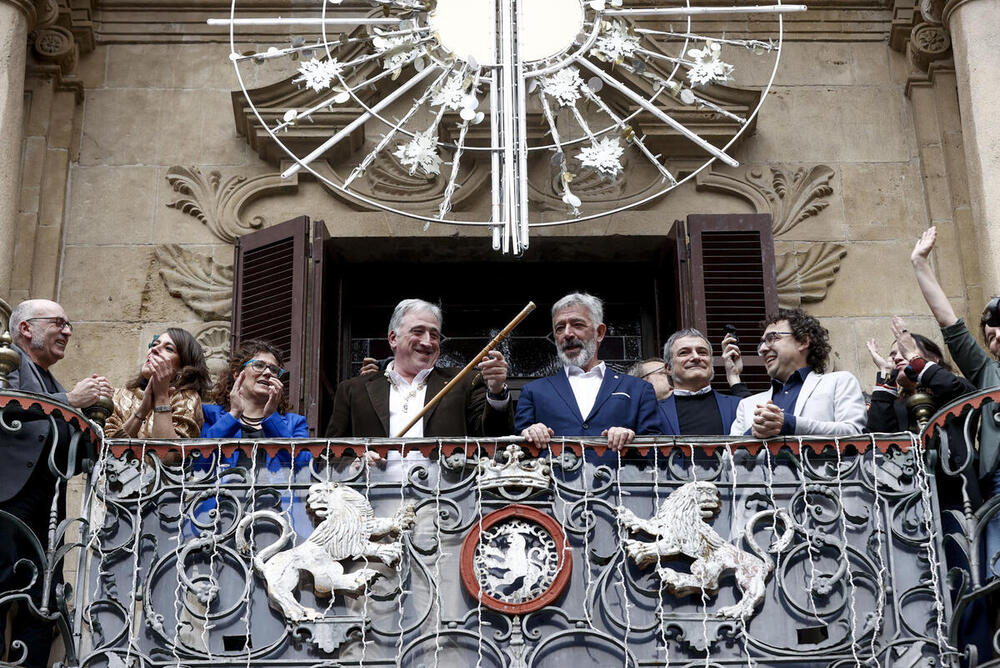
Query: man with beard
(802, 400)
(694, 408)
(381, 404)
(40, 332)
(585, 398)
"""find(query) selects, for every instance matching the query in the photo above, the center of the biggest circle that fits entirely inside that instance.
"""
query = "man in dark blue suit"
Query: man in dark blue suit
(694, 408)
(585, 398)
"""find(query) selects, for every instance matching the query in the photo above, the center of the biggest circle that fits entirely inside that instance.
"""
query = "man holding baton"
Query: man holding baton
(381, 405)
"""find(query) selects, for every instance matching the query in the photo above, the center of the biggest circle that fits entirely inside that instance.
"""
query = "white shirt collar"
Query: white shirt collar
(399, 381)
(695, 393)
(598, 371)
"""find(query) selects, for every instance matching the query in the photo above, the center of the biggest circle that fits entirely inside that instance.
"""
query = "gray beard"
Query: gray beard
(582, 358)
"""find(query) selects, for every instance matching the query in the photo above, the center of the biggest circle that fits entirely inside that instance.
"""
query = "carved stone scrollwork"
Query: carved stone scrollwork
(198, 280)
(791, 197)
(56, 45)
(929, 42)
(4, 315)
(214, 340)
(219, 203)
(805, 276)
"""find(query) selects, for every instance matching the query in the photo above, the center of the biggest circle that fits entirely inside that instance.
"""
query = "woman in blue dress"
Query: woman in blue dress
(249, 400)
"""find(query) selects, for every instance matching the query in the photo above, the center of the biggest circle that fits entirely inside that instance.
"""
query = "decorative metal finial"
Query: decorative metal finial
(10, 359)
(922, 406)
(100, 410)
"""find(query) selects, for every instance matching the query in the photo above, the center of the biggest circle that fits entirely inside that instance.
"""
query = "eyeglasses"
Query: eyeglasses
(662, 370)
(260, 365)
(769, 339)
(57, 320)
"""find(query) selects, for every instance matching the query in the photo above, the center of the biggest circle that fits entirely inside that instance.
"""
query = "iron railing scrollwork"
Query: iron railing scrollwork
(42, 558)
(680, 552)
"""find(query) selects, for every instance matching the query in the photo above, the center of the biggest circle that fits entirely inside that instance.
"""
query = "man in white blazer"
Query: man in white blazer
(802, 399)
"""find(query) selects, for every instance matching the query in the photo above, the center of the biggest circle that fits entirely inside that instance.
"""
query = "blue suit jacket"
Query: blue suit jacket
(220, 424)
(623, 401)
(671, 425)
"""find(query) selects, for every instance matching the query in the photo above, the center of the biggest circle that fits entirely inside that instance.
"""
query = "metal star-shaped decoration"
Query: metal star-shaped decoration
(604, 156)
(707, 66)
(318, 74)
(563, 86)
(420, 153)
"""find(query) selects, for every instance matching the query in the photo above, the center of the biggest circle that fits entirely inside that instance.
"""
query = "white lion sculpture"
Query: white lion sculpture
(680, 528)
(347, 527)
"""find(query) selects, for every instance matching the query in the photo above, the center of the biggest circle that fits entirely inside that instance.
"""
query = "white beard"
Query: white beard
(582, 358)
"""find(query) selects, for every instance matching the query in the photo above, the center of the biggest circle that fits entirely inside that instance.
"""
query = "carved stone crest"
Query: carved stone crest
(346, 531)
(517, 474)
(680, 528)
(516, 560)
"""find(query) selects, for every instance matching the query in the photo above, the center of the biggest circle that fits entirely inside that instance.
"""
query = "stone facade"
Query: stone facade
(133, 180)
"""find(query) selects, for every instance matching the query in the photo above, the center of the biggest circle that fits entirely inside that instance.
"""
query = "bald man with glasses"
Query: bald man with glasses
(40, 331)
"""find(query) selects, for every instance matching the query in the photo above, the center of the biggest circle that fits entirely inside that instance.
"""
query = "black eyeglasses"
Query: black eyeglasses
(260, 365)
(769, 339)
(57, 320)
(662, 370)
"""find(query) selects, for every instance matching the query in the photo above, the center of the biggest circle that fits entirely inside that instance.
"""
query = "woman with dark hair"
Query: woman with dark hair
(915, 362)
(164, 400)
(249, 400)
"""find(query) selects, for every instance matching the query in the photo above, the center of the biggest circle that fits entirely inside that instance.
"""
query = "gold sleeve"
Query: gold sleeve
(125, 404)
(186, 413)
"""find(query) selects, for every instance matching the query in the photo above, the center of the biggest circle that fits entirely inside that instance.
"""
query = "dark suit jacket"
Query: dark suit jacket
(623, 401)
(361, 408)
(22, 450)
(671, 425)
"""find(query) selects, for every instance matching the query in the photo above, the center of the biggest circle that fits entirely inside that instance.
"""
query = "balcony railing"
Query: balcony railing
(680, 552)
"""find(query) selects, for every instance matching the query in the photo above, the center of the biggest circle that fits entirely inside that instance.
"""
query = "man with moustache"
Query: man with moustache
(40, 331)
(802, 399)
(585, 398)
(694, 408)
(381, 404)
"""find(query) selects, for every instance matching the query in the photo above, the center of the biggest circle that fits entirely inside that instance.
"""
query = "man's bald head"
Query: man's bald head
(40, 328)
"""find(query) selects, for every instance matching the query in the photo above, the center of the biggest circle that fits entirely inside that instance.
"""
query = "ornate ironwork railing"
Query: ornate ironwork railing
(795, 552)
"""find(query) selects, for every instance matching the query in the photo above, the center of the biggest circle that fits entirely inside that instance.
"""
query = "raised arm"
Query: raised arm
(929, 286)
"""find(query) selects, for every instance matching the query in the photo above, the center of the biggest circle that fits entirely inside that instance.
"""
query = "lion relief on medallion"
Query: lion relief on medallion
(348, 530)
(680, 528)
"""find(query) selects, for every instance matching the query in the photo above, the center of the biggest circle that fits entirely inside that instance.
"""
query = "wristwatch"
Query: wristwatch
(504, 393)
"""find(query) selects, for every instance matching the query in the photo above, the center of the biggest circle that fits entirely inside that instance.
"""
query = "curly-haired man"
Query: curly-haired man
(802, 399)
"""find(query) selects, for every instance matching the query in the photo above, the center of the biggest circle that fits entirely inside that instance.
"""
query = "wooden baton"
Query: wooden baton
(468, 367)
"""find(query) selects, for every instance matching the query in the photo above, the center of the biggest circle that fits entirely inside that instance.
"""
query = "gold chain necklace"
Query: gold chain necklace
(409, 395)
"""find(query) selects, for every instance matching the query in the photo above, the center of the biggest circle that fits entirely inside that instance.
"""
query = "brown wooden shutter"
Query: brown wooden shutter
(325, 335)
(269, 296)
(726, 276)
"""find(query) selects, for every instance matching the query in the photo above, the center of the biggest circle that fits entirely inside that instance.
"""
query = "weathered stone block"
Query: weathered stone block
(824, 124)
(97, 217)
(883, 201)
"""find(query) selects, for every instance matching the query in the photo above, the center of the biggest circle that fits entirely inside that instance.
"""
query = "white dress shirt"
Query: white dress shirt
(585, 385)
(693, 393)
(405, 400)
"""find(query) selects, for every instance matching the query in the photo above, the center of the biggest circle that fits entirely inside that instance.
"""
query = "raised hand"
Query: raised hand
(236, 405)
(274, 391)
(882, 363)
(905, 342)
(924, 245)
(493, 368)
